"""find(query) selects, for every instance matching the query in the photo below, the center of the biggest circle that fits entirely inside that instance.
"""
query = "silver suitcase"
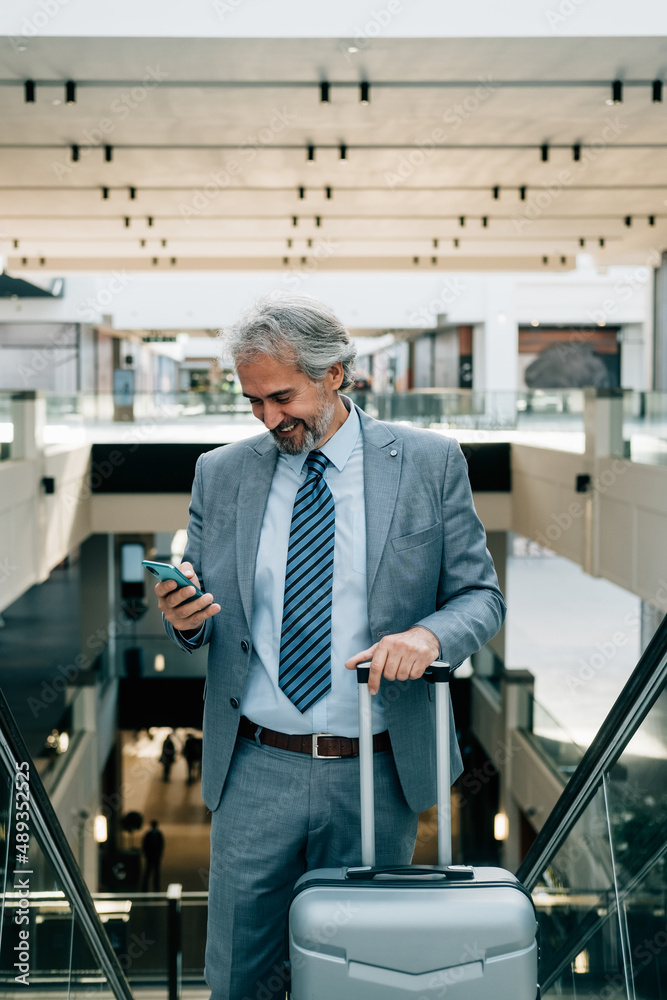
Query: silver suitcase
(426, 932)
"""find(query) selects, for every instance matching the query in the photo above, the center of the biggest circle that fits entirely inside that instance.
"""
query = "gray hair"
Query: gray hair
(293, 328)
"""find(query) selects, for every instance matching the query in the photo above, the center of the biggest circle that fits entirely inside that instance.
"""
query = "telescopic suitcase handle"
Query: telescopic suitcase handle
(439, 674)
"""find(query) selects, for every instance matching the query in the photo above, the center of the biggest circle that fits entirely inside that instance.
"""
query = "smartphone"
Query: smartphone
(165, 571)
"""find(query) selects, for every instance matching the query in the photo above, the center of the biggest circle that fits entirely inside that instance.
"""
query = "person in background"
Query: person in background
(167, 757)
(152, 847)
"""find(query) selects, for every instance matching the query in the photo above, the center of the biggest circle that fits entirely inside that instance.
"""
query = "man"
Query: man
(330, 540)
(153, 847)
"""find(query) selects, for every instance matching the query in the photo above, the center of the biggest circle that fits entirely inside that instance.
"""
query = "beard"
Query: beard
(314, 430)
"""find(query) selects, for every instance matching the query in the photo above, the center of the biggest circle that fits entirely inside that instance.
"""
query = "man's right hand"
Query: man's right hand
(187, 618)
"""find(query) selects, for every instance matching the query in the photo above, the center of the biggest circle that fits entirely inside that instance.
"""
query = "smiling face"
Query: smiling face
(300, 414)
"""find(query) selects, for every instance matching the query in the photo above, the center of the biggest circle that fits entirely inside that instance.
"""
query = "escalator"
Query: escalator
(598, 868)
(597, 872)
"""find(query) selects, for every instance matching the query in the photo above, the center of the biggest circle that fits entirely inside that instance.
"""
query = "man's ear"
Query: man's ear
(338, 375)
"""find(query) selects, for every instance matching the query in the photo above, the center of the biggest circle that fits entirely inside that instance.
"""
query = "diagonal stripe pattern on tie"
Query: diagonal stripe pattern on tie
(305, 644)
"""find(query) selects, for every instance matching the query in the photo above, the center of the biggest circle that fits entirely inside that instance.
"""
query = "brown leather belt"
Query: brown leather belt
(317, 745)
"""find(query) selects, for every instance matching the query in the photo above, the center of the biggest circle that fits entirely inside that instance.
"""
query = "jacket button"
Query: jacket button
(244, 646)
(234, 702)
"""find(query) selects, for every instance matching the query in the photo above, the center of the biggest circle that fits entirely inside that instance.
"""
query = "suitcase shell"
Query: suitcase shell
(419, 932)
(422, 937)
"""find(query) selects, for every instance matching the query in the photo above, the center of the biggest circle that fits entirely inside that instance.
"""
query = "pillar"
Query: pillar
(660, 326)
(28, 413)
(496, 351)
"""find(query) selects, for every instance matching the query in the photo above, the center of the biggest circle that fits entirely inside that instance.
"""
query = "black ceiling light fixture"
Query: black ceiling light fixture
(108, 154)
(29, 91)
(342, 150)
(576, 151)
(522, 192)
(628, 220)
(295, 220)
(656, 89)
(324, 92)
(496, 193)
(456, 243)
(328, 192)
(435, 244)
(462, 220)
(651, 220)
(302, 193)
(601, 241)
(127, 222)
(364, 92)
(544, 149)
(545, 260)
(75, 153)
(318, 220)
(149, 220)
(310, 156)
(70, 92)
(616, 93)
(485, 221)
(582, 242)
(105, 193)
(133, 193)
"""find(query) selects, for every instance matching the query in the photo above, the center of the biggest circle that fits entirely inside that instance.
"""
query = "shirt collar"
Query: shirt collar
(339, 447)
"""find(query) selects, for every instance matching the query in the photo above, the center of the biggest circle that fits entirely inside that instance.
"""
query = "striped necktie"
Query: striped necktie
(305, 645)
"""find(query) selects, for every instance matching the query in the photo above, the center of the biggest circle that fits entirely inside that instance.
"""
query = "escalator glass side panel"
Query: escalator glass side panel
(637, 797)
(580, 947)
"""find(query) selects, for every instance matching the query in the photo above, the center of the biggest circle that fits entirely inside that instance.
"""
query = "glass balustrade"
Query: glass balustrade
(553, 741)
(138, 926)
(555, 416)
(598, 870)
(6, 426)
(51, 938)
(645, 426)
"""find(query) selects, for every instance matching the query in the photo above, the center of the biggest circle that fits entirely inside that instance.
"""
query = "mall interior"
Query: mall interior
(479, 192)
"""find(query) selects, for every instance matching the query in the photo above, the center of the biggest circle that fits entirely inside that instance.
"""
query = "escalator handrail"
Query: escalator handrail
(627, 714)
(53, 844)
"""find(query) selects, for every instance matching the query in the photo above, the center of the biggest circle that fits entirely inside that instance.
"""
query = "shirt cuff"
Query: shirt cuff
(194, 639)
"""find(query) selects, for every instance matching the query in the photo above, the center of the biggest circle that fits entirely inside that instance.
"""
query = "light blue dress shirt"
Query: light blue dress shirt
(264, 702)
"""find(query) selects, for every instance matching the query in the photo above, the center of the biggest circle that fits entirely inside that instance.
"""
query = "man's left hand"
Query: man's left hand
(403, 656)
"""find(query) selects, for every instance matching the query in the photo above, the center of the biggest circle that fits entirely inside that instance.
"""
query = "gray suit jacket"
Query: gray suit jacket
(427, 564)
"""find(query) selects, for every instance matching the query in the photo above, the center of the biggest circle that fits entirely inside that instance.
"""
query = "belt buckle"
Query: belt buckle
(322, 756)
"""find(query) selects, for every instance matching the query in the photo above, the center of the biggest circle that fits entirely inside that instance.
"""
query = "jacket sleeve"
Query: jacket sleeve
(192, 555)
(470, 606)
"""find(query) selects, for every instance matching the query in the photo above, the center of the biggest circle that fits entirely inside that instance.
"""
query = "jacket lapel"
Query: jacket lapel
(383, 456)
(256, 476)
